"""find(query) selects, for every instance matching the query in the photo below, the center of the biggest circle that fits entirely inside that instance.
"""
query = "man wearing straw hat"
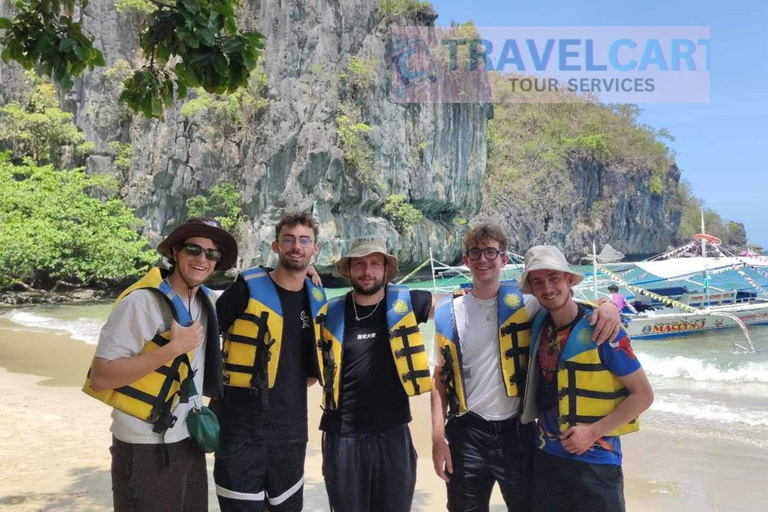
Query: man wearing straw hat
(582, 396)
(481, 356)
(160, 337)
(374, 360)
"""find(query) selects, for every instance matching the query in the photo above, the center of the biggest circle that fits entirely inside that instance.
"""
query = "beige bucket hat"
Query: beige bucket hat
(546, 257)
(363, 247)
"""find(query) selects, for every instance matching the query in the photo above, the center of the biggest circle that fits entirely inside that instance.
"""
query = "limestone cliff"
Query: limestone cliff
(286, 153)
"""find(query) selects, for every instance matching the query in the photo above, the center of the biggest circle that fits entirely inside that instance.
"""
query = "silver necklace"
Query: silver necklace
(358, 318)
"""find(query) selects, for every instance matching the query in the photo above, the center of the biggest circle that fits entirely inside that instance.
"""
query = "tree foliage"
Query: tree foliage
(187, 43)
(222, 203)
(36, 128)
(401, 213)
(46, 34)
(50, 228)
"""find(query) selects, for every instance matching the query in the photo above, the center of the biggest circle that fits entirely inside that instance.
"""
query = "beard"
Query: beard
(294, 264)
(370, 289)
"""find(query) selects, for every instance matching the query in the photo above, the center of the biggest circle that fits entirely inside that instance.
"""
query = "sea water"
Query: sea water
(704, 385)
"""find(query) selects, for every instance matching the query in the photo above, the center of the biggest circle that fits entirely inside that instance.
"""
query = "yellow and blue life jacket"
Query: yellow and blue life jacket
(405, 340)
(252, 343)
(587, 390)
(514, 339)
(153, 397)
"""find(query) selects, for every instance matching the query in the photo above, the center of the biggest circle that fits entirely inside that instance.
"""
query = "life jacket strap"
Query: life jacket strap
(412, 374)
(572, 392)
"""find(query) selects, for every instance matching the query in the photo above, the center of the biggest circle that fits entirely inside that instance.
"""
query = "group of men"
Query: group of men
(525, 393)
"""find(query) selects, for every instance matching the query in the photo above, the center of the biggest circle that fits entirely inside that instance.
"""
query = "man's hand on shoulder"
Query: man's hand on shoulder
(606, 321)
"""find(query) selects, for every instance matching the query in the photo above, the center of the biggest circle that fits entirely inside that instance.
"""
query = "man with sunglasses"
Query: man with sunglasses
(161, 337)
(271, 321)
(481, 358)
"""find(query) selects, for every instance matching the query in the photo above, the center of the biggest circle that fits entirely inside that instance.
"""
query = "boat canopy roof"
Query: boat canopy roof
(677, 267)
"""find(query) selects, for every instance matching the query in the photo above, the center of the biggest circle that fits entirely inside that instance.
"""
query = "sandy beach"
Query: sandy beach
(55, 441)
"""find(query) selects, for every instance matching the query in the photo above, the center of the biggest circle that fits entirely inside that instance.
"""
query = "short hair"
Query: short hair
(294, 219)
(484, 233)
(613, 288)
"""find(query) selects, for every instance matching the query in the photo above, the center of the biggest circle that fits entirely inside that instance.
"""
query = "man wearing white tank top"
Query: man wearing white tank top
(480, 359)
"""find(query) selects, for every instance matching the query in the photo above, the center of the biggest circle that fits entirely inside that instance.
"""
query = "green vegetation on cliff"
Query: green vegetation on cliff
(35, 127)
(531, 143)
(730, 232)
(222, 202)
(51, 229)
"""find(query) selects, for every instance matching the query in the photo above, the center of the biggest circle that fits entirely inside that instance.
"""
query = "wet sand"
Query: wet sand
(55, 440)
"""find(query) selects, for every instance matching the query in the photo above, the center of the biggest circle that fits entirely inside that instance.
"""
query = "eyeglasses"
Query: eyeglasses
(491, 253)
(195, 250)
(289, 240)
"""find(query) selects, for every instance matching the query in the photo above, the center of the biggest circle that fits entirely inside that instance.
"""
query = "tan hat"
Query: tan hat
(363, 247)
(546, 257)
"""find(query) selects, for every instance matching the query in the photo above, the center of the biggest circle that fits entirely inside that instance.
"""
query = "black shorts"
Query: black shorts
(567, 485)
(251, 473)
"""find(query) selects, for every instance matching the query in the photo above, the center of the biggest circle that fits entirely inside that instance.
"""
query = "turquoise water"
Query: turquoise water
(704, 386)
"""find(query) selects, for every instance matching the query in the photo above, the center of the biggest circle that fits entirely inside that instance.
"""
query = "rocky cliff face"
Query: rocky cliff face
(591, 201)
(290, 158)
(287, 155)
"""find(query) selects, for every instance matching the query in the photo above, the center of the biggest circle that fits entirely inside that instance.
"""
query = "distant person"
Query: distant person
(375, 360)
(271, 321)
(581, 395)
(481, 358)
(160, 336)
(619, 299)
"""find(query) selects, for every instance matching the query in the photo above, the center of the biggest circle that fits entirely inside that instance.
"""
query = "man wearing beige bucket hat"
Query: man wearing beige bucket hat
(582, 396)
(374, 360)
(481, 358)
(161, 337)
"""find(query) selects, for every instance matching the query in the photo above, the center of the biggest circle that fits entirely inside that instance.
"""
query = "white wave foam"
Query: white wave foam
(680, 367)
(711, 412)
(83, 329)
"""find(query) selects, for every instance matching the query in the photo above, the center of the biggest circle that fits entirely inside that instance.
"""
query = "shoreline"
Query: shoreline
(56, 449)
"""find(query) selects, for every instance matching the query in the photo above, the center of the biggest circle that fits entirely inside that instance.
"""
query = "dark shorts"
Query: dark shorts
(159, 477)
(484, 453)
(371, 471)
(567, 485)
(251, 473)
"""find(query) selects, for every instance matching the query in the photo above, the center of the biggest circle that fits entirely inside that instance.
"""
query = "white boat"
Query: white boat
(692, 300)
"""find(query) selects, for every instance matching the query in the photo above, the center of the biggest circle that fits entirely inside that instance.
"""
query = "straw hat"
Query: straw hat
(545, 257)
(363, 247)
(203, 227)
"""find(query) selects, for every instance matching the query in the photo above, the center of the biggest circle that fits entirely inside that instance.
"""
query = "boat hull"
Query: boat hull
(661, 325)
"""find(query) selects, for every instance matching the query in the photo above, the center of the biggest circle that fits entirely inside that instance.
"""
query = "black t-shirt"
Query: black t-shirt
(372, 396)
(286, 420)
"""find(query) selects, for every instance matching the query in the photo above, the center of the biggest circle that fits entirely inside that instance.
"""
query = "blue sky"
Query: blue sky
(722, 147)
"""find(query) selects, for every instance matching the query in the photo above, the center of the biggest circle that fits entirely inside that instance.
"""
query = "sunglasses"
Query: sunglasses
(195, 250)
(491, 253)
(290, 240)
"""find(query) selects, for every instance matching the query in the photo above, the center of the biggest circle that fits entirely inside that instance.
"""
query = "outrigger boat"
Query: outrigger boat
(677, 295)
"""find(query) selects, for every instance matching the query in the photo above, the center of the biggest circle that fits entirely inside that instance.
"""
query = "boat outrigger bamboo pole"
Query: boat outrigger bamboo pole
(432, 266)
(414, 271)
(594, 269)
